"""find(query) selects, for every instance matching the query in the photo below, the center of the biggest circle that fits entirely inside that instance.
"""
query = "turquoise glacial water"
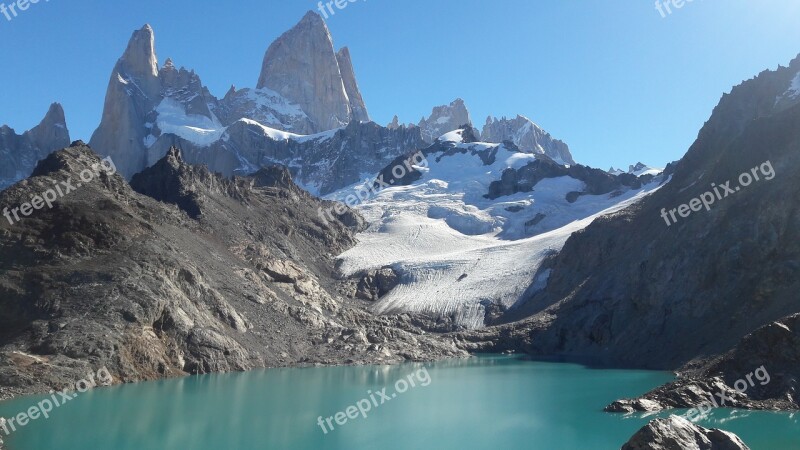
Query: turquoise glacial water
(492, 402)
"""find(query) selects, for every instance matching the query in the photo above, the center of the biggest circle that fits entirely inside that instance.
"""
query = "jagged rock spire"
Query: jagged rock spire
(302, 66)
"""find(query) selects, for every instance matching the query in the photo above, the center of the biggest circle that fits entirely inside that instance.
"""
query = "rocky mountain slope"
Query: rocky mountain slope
(20, 153)
(215, 275)
(637, 289)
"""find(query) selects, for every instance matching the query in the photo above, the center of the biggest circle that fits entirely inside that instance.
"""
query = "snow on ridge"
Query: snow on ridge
(457, 250)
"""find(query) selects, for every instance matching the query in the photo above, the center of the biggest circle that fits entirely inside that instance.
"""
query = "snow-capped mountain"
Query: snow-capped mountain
(305, 87)
(469, 234)
(528, 136)
(20, 153)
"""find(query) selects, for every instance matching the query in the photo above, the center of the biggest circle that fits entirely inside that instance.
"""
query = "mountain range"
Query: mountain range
(223, 244)
(306, 112)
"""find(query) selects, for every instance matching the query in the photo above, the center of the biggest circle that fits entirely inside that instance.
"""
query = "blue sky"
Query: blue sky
(614, 79)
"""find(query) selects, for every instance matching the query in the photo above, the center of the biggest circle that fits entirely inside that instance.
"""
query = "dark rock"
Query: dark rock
(377, 283)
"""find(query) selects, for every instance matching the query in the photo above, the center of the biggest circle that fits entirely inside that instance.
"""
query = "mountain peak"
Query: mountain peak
(444, 119)
(54, 116)
(302, 66)
(139, 59)
(313, 18)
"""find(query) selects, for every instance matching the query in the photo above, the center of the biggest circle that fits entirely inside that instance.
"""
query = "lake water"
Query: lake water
(491, 402)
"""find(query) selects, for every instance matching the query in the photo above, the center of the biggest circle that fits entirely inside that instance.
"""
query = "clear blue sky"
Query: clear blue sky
(613, 79)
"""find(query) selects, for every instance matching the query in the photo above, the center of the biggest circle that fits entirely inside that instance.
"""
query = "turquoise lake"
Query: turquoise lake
(489, 402)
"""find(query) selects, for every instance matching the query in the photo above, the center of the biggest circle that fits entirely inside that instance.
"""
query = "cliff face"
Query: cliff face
(193, 274)
(133, 92)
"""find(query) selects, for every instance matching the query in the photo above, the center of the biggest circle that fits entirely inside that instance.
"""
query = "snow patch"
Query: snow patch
(195, 128)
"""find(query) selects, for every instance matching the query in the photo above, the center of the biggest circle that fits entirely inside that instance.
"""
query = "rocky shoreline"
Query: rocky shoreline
(762, 372)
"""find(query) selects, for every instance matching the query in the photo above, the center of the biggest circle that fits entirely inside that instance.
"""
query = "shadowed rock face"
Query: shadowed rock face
(631, 291)
(676, 433)
(597, 182)
(360, 148)
(221, 275)
(19, 154)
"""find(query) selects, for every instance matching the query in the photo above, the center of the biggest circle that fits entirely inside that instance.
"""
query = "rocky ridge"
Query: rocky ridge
(223, 275)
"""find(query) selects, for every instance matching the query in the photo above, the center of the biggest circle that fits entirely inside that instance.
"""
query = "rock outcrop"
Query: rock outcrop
(596, 181)
(216, 275)
(19, 154)
(676, 433)
(528, 136)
